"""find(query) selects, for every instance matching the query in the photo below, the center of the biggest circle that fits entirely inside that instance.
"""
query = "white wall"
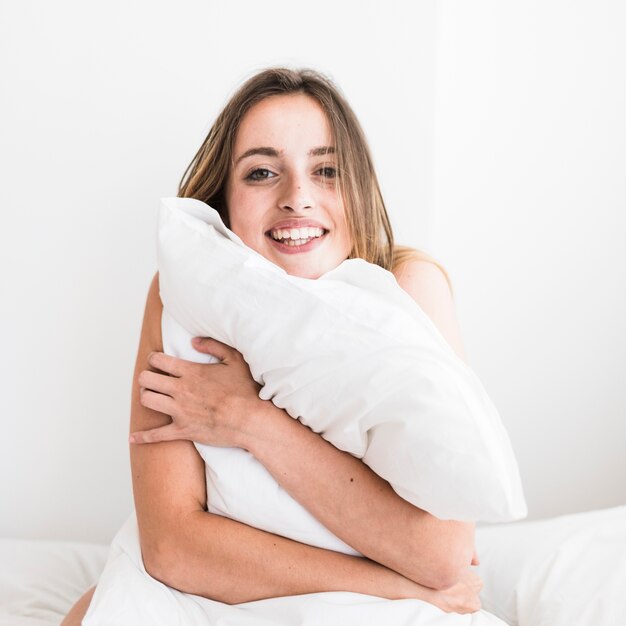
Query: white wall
(496, 132)
(530, 217)
(103, 105)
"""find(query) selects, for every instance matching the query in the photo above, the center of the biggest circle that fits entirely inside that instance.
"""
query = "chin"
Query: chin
(303, 270)
(312, 267)
(303, 273)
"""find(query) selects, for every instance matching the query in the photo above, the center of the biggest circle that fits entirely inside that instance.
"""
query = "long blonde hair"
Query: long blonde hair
(206, 176)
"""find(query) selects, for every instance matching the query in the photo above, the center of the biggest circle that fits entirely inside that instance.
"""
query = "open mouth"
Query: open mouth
(296, 239)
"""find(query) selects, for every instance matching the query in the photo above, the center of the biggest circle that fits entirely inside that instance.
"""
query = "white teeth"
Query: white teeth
(296, 234)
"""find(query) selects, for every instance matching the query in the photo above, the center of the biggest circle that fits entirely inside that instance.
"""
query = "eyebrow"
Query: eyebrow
(272, 152)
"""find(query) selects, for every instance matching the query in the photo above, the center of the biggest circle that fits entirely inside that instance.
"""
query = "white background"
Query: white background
(499, 136)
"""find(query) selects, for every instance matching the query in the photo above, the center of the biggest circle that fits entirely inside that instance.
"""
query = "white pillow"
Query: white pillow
(353, 357)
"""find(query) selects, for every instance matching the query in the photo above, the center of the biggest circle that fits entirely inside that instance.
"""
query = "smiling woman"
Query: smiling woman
(287, 167)
(318, 126)
(283, 197)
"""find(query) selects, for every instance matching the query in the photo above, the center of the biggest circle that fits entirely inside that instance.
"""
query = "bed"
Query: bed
(563, 571)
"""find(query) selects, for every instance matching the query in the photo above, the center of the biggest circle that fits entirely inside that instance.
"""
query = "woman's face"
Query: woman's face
(281, 194)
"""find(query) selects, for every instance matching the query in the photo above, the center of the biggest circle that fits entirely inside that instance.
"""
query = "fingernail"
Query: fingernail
(131, 439)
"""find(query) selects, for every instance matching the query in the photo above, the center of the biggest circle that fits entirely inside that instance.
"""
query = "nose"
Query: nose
(296, 194)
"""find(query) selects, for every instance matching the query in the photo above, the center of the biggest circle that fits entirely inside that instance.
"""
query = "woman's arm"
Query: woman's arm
(361, 508)
(350, 499)
(196, 552)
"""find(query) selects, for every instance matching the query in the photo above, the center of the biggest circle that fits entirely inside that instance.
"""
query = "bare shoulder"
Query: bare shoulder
(419, 277)
(427, 283)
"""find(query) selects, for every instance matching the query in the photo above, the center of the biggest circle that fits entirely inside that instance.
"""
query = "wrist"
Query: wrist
(409, 589)
(263, 423)
(392, 585)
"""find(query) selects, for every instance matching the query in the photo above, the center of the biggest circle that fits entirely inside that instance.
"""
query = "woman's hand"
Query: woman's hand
(208, 403)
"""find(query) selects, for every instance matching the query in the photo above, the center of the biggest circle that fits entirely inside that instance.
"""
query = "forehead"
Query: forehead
(286, 122)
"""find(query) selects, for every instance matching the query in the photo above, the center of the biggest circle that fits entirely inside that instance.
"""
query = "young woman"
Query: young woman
(287, 166)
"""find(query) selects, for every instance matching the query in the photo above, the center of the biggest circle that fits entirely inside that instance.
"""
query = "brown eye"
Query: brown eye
(259, 174)
(328, 172)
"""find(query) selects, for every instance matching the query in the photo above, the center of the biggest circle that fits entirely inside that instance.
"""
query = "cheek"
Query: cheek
(245, 222)
(237, 212)
(346, 237)
(348, 245)
(247, 230)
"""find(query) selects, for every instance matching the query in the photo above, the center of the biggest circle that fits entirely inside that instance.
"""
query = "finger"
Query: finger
(475, 559)
(157, 402)
(170, 432)
(160, 383)
(208, 345)
(167, 363)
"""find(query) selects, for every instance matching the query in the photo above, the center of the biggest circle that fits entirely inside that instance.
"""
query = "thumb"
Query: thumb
(208, 345)
(169, 432)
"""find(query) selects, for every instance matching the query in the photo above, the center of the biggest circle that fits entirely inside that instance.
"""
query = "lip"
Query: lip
(296, 223)
(287, 249)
